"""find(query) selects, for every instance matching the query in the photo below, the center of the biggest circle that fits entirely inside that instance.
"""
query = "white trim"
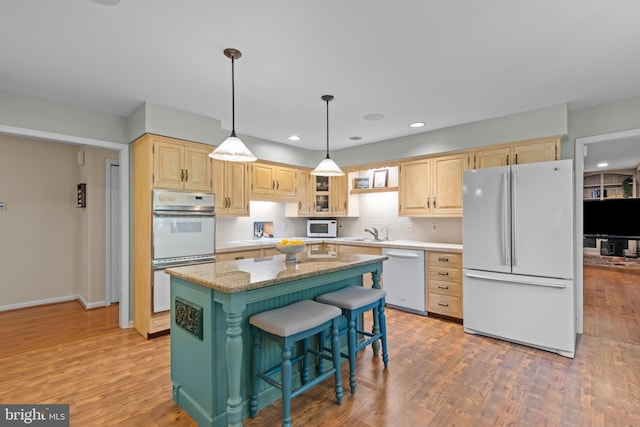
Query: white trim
(107, 240)
(580, 151)
(123, 160)
(89, 306)
(39, 302)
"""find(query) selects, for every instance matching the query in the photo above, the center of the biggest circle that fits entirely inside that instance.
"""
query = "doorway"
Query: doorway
(581, 148)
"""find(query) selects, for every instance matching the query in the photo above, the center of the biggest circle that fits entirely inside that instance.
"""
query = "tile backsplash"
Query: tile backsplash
(376, 209)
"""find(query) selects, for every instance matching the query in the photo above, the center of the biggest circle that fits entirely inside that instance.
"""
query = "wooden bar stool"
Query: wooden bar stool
(353, 301)
(288, 325)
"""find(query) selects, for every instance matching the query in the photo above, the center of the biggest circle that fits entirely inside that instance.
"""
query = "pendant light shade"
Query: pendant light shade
(233, 149)
(327, 167)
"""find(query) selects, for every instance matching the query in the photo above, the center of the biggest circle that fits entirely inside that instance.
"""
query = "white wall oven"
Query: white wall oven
(184, 227)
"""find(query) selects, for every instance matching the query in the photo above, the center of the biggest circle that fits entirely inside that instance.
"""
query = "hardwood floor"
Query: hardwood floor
(437, 374)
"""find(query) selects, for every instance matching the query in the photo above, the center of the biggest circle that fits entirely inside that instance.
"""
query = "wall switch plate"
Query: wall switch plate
(284, 226)
(408, 227)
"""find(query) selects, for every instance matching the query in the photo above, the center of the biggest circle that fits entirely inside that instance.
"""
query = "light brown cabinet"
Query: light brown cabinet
(273, 182)
(331, 196)
(166, 163)
(515, 153)
(304, 196)
(444, 284)
(432, 186)
(231, 186)
(180, 165)
(251, 253)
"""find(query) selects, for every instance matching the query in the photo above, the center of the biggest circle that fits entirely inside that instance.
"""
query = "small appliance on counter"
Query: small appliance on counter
(322, 227)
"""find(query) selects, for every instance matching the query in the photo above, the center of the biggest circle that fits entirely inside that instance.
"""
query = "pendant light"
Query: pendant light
(233, 149)
(327, 167)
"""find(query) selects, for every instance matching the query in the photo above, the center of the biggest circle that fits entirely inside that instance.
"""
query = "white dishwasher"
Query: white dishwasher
(404, 279)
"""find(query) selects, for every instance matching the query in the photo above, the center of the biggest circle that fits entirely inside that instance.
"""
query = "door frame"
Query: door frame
(109, 232)
(124, 318)
(579, 153)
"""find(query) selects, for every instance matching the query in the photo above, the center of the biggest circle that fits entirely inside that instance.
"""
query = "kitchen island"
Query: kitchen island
(210, 338)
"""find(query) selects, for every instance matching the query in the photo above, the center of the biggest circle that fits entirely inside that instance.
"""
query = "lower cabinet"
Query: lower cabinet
(252, 253)
(444, 283)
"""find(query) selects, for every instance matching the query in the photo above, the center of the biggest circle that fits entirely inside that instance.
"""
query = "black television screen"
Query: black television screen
(612, 218)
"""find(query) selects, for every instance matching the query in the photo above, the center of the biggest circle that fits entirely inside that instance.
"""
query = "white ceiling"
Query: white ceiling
(437, 61)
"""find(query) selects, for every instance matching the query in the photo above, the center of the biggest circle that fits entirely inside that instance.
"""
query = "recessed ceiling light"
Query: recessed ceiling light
(373, 116)
(294, 138)
(417, 124)
(107, 2)
(355, 138)
(603, 165)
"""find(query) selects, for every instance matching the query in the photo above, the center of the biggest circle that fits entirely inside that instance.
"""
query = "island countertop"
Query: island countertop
(255, 273)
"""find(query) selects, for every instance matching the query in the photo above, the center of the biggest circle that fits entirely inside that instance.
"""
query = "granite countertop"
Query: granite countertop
(395, 244)
(254, 273)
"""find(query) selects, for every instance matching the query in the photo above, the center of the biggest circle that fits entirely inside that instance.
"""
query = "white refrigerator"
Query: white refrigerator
(518, 257)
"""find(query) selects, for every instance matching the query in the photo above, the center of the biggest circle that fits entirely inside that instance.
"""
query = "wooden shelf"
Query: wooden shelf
(373, 190)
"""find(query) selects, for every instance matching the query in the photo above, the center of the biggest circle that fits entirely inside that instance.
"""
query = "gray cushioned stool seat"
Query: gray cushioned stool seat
(294, 318)
(352, 297)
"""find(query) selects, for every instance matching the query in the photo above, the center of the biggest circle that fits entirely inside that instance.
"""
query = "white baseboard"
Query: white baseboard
(53, 301)
(89, 306)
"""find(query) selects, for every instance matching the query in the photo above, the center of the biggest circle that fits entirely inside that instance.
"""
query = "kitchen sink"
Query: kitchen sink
(364, 239)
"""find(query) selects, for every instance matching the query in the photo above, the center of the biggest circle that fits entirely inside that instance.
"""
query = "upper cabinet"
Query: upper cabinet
(515, 153)
(331, 196)
(432, 186)
(304, 197)
(273, 182)
(180, 165)
(231, 186)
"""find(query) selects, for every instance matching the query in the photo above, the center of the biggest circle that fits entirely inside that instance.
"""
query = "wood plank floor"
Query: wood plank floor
(437, 375)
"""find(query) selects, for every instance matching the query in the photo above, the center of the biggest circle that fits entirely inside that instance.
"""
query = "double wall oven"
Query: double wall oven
(184, 227)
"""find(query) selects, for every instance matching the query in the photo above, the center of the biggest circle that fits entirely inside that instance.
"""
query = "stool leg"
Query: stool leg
(383, 331)
(257, 365)
(321, 341)
(305, 361)
(286, 384)
(351, 341)
(335, 349)
(375, 331)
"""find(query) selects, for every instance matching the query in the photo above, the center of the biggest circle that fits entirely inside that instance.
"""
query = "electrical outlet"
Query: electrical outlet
(284, 226)
(408, 227)
(433, 227)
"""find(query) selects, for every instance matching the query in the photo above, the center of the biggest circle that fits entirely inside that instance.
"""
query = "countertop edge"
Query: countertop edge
(235, 246)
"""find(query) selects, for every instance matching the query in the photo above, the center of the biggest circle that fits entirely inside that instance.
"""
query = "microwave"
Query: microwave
(322, 228)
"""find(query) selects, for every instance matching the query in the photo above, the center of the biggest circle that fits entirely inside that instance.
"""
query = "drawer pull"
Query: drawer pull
(443, 287)
(443, 273)
(444, 304)
(443, 259)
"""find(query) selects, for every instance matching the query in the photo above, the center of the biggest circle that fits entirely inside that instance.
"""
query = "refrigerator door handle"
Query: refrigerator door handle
(505, 216)
(514, 216)
(517, 282)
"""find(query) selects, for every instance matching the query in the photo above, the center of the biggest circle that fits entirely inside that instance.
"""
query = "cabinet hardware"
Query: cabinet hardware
(299, 205)
(508, 160)
(278, 185)
(443, 259)
(273, 184)
(434, 202)
(516, 158)
(443, 273)
(442, 287)
(186, 175)
(181, 175)
(428, 202)
(443, 304)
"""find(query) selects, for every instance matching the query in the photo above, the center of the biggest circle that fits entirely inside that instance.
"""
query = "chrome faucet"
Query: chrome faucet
(385, 228)
(374, 233)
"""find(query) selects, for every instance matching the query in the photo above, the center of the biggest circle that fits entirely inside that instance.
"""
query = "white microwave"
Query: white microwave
(322, 228)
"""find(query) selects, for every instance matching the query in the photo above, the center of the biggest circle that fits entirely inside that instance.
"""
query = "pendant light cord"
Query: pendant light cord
(233, 98)
(327, 128)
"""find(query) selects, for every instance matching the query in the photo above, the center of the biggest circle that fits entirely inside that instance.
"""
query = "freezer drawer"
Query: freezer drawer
(534, 311)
